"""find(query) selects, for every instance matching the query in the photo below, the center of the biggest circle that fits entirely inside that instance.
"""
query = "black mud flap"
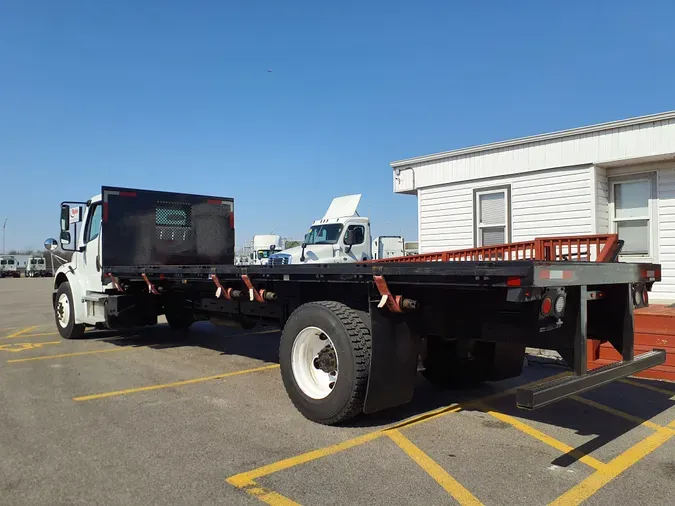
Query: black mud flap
(393, 360)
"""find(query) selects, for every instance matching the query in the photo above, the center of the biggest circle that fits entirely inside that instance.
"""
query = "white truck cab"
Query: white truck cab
(341, 236)
(9, 267)
(80, 233)
(265, 245)
(36, 267)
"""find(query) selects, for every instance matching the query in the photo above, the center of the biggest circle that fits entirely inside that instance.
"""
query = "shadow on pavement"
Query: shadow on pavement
(262, 343)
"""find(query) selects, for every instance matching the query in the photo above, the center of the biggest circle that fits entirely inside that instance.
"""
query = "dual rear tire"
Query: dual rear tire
(324, 356)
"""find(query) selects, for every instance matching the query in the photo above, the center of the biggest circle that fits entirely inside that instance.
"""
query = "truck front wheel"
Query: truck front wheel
(64, 313)
(325, 358)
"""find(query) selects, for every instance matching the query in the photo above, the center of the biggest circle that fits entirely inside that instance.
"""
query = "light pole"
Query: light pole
(4, 225)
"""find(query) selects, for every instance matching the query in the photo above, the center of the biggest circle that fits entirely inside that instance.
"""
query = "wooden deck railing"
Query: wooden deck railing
(580, 248)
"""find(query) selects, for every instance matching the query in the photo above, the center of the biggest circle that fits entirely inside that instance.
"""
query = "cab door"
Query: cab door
(91, 239)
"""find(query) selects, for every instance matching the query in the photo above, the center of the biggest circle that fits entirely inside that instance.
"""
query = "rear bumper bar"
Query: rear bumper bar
(555, 390)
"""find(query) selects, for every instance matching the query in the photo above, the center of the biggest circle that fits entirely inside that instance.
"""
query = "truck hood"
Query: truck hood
(319, 253)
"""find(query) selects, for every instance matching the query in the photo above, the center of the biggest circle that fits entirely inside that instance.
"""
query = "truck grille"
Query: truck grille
(280, 259)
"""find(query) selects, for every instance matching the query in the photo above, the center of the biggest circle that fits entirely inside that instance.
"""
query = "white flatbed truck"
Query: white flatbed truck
(353, 333)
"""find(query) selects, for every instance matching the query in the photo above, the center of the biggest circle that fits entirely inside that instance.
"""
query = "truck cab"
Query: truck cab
(341, 236)
(9, 267)
(36, 267)
(265, 245)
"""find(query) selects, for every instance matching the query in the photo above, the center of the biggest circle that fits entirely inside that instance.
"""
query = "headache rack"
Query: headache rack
(581, 248)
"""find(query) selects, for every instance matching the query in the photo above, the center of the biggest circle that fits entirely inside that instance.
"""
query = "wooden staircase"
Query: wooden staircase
(654, 328)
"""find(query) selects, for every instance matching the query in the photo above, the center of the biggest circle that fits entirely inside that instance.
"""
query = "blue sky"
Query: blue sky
(176, 96)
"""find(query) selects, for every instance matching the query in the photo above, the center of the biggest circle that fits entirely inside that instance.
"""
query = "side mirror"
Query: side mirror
(65, 237)
(51, 244)
(272, 247)
(349, 237)
(65, 217)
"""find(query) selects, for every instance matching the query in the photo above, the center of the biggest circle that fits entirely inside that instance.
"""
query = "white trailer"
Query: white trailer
(388, 246)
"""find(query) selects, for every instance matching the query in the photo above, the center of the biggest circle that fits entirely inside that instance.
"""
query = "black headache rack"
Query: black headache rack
(599, 306)
(142, 227)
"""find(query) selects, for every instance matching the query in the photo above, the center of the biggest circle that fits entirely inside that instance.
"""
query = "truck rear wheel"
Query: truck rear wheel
(64, 313)
(325, 358)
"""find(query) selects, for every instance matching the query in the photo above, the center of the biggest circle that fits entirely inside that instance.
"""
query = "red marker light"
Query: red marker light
(546, 306)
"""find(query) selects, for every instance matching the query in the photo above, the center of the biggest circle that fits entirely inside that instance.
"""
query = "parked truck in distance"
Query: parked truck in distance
(36, 267)
(353, 334)
(265, 245)
(341, 236)
(9, 267)
(388, 246)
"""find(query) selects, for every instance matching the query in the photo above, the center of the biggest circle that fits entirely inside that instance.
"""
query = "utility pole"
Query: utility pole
(4, 226)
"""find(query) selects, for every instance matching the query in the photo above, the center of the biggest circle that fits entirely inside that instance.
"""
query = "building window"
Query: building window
(631, 214)
(491, 216)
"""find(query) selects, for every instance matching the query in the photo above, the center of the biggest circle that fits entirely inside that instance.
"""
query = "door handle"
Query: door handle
(98, 264)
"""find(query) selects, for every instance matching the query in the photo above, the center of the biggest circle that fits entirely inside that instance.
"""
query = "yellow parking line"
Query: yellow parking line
(171, 385)
(627, 416)
(16, 347)
(22, 331)
(245, 480)
(41, 334)
(588, 487)
(442, 477)
(545, 438)
(65, 355)
(648, 387)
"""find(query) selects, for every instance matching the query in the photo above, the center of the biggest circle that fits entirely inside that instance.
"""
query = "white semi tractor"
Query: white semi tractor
(9, 267)
(265, 245)
(36, 267)
(341, 236)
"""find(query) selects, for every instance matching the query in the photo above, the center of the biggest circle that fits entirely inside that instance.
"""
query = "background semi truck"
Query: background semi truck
(326, 240)
(36, 267)
(353, 334)
(265, 245)
(9, 267)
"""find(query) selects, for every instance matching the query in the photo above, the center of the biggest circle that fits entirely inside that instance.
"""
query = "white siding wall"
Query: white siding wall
(601, 201)
(547, 203)
(631, 142)
(665, 290)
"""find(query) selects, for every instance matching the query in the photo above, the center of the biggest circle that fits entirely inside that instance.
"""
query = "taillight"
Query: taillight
(232, 220)
(546, 306)
(559, 305)
(645, 297)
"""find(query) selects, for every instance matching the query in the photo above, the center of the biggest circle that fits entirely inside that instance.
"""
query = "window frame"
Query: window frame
(90, 218)
(651, 217)
(353, 227)
(477, 226)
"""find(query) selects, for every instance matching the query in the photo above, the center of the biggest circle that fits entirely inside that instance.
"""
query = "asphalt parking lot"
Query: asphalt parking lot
(202, 418)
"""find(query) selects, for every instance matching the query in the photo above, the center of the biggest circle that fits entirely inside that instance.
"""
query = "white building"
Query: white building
(616, 177)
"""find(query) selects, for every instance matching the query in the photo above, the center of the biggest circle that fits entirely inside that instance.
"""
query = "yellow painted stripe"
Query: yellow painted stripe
(66, 355)
(669, 393)
(268, 496)
(22, 331)
(442, 477)
(626, 416)
(18, 347)
(588, 487)
(545, 438)
(173, 384)
(41, 334)
(245, 479)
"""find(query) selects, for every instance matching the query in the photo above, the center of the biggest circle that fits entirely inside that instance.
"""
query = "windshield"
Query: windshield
(324, 234)
(3, 262)
(263, 253)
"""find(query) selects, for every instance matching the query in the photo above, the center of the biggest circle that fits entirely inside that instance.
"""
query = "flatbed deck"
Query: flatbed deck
(529, 273)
